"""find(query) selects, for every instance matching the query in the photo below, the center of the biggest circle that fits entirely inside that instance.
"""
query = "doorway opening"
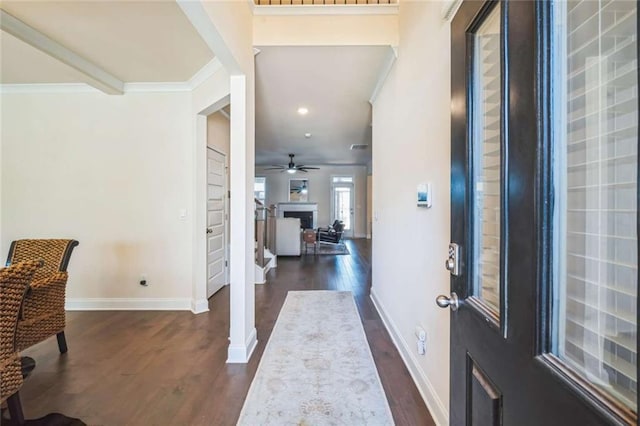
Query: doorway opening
(342, 203)
(217, 209)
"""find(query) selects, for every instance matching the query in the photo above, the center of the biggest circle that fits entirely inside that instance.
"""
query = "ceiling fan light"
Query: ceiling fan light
(291, 171)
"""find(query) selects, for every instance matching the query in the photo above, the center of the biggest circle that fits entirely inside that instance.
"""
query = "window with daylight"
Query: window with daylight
(595, 139)
(260, 189)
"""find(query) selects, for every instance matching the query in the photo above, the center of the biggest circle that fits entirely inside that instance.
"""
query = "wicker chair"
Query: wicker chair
(43, 314)
(14, 282)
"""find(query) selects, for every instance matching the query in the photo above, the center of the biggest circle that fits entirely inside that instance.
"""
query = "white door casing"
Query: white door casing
(216, 226)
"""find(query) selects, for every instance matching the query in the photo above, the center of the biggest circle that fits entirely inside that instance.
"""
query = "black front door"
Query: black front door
(544, 197)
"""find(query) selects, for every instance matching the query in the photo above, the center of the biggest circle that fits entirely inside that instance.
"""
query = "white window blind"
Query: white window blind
(487, 159)
(596, 137)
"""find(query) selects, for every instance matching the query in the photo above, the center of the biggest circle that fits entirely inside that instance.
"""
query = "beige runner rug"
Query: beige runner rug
(317, 368)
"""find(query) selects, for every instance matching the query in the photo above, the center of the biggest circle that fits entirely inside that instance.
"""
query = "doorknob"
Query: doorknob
(209, 231)
(452, 302)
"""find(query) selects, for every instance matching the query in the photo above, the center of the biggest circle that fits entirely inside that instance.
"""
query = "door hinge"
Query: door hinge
(226, 263)
(229, 194)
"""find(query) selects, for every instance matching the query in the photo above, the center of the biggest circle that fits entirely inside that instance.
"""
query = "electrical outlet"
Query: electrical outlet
(143, 280)
(422, 347)
(421, 335)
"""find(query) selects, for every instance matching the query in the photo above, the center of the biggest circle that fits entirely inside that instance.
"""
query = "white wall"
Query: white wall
(369, 205)
(219, 133)
(320, 191)
(325, 30)
(112, 172)
(411, 137)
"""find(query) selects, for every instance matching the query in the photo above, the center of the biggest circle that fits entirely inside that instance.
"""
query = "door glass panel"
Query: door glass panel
(342, 204)
(487, 159)
(596, 143)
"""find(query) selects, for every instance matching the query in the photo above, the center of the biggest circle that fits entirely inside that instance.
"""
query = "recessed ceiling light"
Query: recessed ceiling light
(307, 135)
(303, 111)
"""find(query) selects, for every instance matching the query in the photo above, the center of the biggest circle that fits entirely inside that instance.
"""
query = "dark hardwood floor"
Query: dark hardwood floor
(168, 368)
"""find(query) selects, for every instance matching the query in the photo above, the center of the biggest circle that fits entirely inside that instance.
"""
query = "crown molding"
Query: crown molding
(212, 67)
(252, 6)
(326, 9)
(392, 55)
(449, 9)
(146, 87)
(224, 114)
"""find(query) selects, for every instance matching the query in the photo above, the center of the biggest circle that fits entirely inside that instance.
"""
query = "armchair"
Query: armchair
(43, 313)
(14, 282)
(331, 234)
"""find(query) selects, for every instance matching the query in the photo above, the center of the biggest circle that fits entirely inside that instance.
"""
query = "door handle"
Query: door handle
(209, 231)
(452, 302)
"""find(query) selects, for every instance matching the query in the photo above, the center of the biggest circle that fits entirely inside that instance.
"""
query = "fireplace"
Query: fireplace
(306, 218)
(306, 212)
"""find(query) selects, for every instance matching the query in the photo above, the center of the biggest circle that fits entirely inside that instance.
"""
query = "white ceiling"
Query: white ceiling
(22, 64)
(335, 83)
(135, 41)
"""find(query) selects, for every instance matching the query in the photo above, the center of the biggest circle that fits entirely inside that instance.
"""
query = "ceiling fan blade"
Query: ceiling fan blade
(274, 168)
(302, 170)
(308, 168)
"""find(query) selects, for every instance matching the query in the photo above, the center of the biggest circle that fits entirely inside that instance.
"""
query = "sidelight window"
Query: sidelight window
(596, 176)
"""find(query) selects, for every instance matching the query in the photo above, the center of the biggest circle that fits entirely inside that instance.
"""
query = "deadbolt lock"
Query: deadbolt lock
(452, 264)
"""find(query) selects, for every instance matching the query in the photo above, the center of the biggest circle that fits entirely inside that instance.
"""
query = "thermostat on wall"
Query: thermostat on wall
(424, 195)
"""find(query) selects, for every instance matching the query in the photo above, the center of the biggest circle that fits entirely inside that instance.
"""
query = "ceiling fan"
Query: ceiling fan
(291, 167)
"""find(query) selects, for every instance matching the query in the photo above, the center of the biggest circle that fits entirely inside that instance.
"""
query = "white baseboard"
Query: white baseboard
(260, 275)
(199, 306)
(128, 304)
(437, 409)
(359, 235)
(241, 354)
(368, 236)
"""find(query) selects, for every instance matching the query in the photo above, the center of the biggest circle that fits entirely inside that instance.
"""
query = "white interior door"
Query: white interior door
(216, 230)
(342, 198)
